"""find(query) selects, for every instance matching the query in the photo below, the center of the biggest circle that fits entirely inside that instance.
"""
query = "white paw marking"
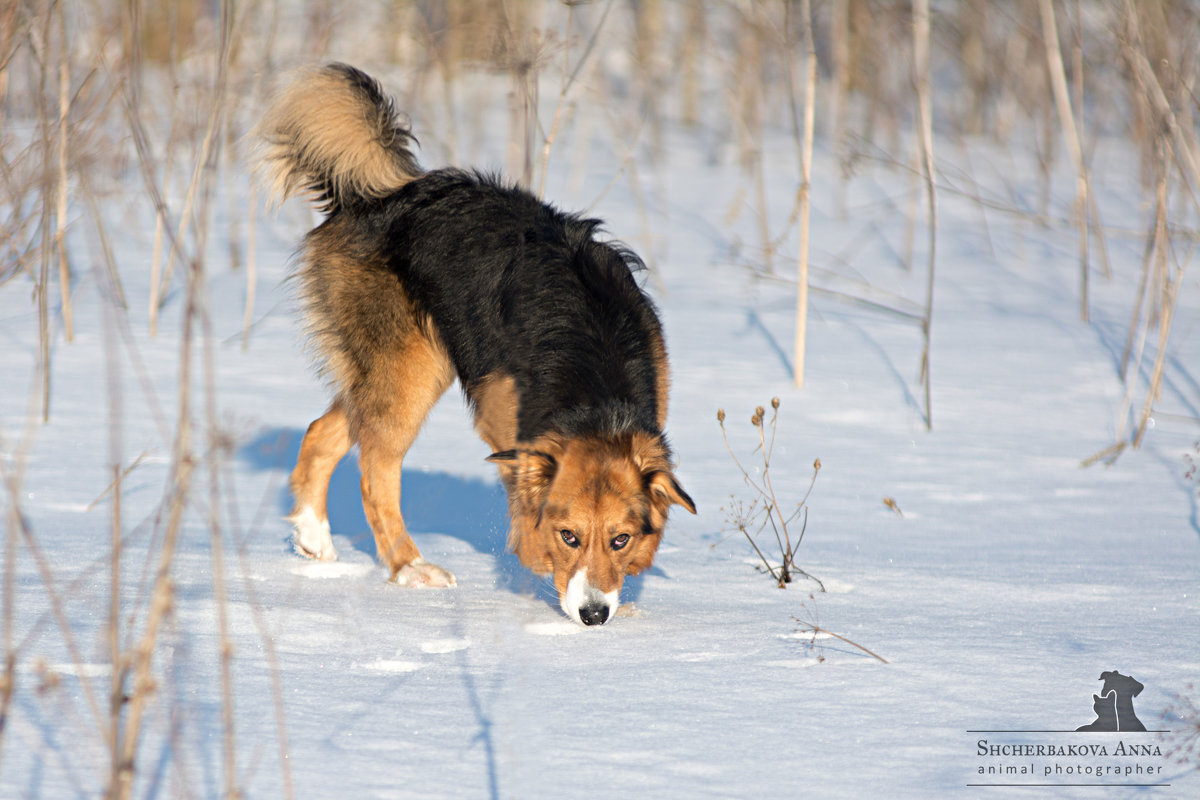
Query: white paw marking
(423, 574)
(310, 535)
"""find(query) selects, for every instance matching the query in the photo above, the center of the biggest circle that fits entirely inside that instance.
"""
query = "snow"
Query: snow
(1011, 578)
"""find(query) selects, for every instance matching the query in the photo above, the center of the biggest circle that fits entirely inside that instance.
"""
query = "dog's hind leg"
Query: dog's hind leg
(401, 391)
(324, 444)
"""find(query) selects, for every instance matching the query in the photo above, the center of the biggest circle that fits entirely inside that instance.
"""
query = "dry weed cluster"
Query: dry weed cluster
(766, 511)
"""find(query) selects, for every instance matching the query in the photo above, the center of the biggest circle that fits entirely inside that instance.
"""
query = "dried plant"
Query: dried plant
(816, 631)
(764, 509)
(1182, 737)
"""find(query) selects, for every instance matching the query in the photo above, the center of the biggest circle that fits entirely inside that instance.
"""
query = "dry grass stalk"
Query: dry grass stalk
(693, 46)
(56, 599)
(840, 89)
(160, 223)
(220, 591)
(218, 442)
(524, 51)
(1156, 374)
(750, 93)
(201, 173)
(1155, 253)
(115, 415)
(116, 691)
(810, 88)
(925, 124)
(628, 168)
(12, 522)
(134, 682)
(61, 193)
(38, 43)
(813, 626)
(568, 83)
(272, 658)
(136, 673)
(1181, 147)
(113, 271)
(816, 630)
(20, 187)
(1062, 100)
(251, 267)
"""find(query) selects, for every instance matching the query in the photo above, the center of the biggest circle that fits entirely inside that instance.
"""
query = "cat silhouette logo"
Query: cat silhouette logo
(1114, 704)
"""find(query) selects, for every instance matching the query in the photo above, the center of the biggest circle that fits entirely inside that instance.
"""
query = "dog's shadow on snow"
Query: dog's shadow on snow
(472, 510)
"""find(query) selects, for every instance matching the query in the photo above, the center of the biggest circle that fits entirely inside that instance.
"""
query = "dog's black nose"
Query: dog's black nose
(594, 614)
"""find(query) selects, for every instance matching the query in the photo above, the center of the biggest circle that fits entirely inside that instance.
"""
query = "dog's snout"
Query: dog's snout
(585, 603)
(593, 614)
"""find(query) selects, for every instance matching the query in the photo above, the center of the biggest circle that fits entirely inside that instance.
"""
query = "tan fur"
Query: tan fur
(495, 399)
(325, 443)
(388, 369)
(400, 391)
(316, 127)
(384, 419)
(355, 313)
(597, 488)
(662, 370)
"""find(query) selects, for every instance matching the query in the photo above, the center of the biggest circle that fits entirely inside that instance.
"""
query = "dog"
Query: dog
(1125, 687)
(416, 278)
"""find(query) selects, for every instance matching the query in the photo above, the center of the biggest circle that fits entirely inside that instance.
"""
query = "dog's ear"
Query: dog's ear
(531, 472)
(665, 489)
(651, 456)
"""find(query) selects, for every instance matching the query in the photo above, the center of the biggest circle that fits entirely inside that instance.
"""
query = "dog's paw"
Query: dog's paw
(422, 573)
(310, 536)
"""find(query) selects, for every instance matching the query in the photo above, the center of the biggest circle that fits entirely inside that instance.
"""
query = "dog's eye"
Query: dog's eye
(620, 541)
(569, 538)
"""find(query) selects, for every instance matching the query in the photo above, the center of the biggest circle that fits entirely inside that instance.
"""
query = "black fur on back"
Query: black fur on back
(514, 286)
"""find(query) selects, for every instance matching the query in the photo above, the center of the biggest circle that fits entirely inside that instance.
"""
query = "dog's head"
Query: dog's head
(589, 511)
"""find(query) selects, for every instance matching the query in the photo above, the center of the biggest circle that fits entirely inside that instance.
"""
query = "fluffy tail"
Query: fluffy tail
(334, 133)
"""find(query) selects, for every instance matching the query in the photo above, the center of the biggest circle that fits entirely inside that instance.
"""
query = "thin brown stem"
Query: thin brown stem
(816, 629)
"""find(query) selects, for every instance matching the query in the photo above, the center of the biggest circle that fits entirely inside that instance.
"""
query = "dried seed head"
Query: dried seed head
(759, 411)
(720, 415)
(756, 420)
(817, 465)
(48, 679)
(775, 403)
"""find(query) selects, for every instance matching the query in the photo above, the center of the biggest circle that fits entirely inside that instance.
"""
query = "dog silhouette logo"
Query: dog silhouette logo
(1114, 705)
